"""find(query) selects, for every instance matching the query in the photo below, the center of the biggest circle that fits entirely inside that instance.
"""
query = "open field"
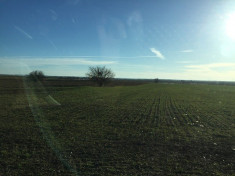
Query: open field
(149, 129)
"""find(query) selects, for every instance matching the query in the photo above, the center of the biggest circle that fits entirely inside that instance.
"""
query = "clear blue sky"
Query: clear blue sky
(174, 39)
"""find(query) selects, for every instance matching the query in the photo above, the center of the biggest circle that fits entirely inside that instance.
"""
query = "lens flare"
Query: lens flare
(230, 26)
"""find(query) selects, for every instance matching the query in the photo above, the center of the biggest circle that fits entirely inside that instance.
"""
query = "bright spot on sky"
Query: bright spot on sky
(230, 25)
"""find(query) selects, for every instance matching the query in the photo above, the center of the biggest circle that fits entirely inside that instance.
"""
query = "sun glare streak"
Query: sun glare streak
(230, 25)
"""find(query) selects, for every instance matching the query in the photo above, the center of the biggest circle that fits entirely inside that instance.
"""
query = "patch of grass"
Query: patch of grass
(151, 129)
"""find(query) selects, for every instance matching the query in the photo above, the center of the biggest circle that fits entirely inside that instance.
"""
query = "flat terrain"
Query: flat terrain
(149, 129)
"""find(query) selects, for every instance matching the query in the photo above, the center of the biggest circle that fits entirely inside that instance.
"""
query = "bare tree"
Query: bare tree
(100, 74)
(36, 75)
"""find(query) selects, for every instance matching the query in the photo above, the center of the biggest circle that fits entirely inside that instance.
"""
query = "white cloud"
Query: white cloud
(211, 66)
(207, 75)
(187, 51)
(23, 32)
(65, 66)
(96, 57)
(51, 66)
(54, 61)
(206, 72)
(157, 53)
(212, 71)
(185, 62)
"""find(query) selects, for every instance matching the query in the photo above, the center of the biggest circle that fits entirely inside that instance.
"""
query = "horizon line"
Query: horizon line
(2, 74)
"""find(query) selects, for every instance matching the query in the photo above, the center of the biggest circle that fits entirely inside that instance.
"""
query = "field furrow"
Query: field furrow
(152, 129)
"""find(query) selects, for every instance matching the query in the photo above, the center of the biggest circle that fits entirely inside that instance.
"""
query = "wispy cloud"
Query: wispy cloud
(54, 61)
(74, 20)
(211, 66)
(206, 72)
(185, 62)
(23, 32)
(54, 15)
(96, 57)
(157, 53)
(213, 71)
(52, 43)
(135, 17)
(51, 66)
(187, 51)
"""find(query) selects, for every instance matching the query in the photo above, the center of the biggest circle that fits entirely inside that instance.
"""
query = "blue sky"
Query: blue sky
(174, 39)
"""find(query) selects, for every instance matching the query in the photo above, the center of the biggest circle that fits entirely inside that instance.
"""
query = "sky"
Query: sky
(165, 39)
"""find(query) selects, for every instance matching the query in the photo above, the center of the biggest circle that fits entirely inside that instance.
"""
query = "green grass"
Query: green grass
(151, 129)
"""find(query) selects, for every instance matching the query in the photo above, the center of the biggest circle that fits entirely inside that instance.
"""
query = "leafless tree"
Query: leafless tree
(100, 74)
